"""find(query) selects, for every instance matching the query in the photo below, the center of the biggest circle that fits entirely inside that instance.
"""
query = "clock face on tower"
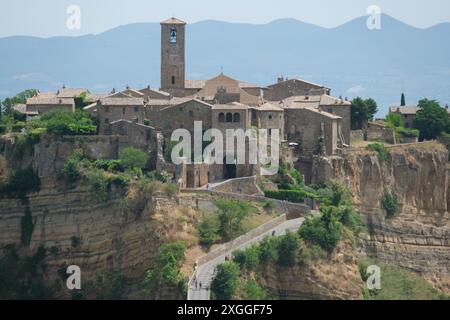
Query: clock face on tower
(173, 35)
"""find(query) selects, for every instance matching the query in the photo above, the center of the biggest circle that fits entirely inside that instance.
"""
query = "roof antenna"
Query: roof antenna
(221, 70)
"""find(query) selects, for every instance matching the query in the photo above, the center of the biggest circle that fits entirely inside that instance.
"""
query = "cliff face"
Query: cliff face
(418, 238)
(335, 277)
(122, 233)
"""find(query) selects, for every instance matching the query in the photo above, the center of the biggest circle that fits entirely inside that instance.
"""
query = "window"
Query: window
(173, 80)
(330, 110)
(270, 117)
(106, 108)
(136, 108)
(191, 113)
(229, 117)
(236, 117)
(106, 120)
(123, 110)
(173, 35)
(221, 117)
(269, 131)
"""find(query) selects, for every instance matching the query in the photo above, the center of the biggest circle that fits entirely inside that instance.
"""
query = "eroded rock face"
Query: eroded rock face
(98, 236)
(333, 278)
(418, 238)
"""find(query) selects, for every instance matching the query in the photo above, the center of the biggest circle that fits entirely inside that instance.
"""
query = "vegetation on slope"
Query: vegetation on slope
(398, 283)
(316, 238)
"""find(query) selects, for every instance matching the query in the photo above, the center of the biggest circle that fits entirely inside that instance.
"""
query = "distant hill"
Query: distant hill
(350, 59)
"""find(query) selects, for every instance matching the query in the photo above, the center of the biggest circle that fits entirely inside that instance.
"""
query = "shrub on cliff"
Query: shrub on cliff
(247, 258)
(132, 158)
(226, 281)
(324, 230)
(288, 249)
(21, 182)
(390, 203)
(383, 153)
(166, 271)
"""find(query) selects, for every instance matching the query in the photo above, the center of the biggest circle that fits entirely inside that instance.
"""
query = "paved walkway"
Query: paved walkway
(205, 272)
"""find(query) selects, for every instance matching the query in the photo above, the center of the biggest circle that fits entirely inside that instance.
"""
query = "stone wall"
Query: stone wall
(246, 185)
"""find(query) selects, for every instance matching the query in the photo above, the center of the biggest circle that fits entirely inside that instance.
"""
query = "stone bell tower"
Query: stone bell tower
(172, 55)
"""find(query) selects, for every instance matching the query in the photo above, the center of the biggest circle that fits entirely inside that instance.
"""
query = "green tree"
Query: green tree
(362, 111)
(231, 213)
(431, 119)
(247, 258)
(394, 120)
(226, 281)
(132, 158)
(288, 249)
(21, 97)
(208, 229)
(403, 100)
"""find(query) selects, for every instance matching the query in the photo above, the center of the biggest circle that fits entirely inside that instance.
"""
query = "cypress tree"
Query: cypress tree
(402, 100)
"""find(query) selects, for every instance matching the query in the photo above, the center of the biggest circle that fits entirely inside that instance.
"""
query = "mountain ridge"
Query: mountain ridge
(350, 59)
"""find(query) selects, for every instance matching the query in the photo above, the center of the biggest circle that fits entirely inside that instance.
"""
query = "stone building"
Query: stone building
(268, 116)
(48, 102)
(285, 88)
(112, 109)
(329, 104)
(181, 115)
(136, 135)
(308, 126)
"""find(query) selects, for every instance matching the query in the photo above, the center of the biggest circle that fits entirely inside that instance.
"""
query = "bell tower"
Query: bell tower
(172, 54)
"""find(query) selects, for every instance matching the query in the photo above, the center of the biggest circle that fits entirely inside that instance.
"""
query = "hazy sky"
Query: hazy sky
(48, 17)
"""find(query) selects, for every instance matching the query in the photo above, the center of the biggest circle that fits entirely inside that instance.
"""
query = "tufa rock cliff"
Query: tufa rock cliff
(418, 236)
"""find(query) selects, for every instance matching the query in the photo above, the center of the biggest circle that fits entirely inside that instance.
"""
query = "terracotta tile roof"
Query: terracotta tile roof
(404, 109)
(122, 101)
(71, 92)
(165, 102)
(231, 106)
(20, 107)
(50, 101)
(148, 89)
(269, 107)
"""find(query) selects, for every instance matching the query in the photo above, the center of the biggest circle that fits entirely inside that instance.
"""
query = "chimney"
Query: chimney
(113, 90)
(280, 79)
(148, 87)
(63, 86)
(127, 87)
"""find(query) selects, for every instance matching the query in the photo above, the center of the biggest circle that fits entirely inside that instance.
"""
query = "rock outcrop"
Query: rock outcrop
(418, 237)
